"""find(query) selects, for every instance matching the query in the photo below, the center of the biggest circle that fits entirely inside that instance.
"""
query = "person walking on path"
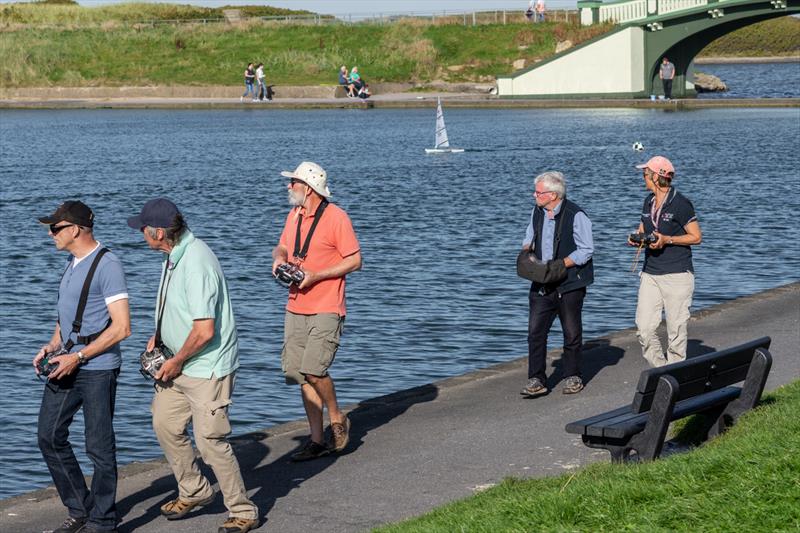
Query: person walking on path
(93, 318)
(262, 86)
(540, 9)
(320, 238)
(195, 321)
(249, 80)
(667, 278)
(559, 230)
(666, 72)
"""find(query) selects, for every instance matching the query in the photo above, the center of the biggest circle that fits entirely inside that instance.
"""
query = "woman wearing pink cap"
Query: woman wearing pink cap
(667, 279)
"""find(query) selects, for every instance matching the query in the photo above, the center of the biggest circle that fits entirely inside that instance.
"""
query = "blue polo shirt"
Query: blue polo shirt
(108, 285)
(676, 212)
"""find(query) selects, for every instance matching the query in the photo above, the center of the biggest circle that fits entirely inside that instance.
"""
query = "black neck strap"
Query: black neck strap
(162, 299)
(301, 254)
(76, 324)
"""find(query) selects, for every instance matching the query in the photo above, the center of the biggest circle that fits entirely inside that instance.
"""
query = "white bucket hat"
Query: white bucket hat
(312, 175)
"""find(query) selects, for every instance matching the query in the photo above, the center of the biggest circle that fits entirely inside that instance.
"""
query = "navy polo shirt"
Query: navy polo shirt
(676, 212)
(108, 285)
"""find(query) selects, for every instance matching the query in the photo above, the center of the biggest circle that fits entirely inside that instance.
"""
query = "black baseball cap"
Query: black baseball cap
(73, 211)
(156, 213)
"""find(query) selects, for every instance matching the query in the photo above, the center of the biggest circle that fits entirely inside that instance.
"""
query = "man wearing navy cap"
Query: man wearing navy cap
(86, 375)
(194, 319)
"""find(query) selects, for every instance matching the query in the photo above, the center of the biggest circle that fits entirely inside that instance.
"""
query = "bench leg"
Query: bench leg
(619, 449)
(751, 393)
(649, 442)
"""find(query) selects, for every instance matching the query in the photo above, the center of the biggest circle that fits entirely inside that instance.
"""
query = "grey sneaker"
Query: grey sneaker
(534, 388)
(573, 385)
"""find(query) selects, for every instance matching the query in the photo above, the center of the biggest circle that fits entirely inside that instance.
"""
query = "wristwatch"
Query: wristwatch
(669, 241)
(81, 358)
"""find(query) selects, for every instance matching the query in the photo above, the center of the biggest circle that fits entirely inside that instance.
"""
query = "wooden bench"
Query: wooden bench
(702, 384)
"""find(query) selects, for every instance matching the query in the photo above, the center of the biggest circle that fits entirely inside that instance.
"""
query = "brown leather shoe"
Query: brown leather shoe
(237, 525)
(177, 508)
(341, 435)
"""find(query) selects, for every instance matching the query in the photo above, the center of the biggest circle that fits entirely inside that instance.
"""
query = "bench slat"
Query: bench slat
(700, 374)
(616, 424)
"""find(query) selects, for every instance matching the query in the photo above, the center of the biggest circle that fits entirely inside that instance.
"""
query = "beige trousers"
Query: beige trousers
(671, 293)
(204, 403)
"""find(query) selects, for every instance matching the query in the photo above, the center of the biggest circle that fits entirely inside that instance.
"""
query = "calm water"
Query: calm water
(438, 295)
(755, 80)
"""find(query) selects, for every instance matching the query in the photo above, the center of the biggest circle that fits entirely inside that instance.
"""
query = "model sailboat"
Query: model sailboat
(442, 145)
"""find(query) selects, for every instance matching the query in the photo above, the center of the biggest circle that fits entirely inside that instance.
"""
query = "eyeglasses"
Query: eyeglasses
(56, 229)
(537, 193)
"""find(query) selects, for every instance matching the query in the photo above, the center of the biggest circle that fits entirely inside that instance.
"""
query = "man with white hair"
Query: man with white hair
(559, 231)
(318, 238)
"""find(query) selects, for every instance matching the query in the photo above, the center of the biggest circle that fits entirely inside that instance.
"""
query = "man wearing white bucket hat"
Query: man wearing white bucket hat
(317, 249)
(667, 279)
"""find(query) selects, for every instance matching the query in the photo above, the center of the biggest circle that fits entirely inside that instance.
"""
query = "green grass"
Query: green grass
(62, 44)
(776, 37)
(746, 480)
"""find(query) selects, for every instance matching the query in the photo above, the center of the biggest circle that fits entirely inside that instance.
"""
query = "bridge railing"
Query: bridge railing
(624, 11)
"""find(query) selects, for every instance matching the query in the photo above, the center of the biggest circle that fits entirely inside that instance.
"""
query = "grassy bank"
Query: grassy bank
(74, 46)
(746, 480)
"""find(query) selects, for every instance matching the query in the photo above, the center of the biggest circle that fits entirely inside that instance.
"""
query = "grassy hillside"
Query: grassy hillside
(744, 481)
(68, 45)
(776, 37)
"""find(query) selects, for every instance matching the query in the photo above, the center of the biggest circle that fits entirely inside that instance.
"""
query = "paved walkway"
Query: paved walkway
(388, 101)
(418, 449)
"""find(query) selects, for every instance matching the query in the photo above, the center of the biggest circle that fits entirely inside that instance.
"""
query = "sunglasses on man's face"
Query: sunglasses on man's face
(56, 229)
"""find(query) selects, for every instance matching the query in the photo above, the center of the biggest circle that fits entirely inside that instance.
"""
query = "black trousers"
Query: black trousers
(544, 308)
(667, 88)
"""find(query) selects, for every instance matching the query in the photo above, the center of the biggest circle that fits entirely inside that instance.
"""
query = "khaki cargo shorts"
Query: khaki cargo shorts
(309, 345)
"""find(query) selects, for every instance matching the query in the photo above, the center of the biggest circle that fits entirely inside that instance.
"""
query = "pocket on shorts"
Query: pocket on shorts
(330, 330)
(215, 422)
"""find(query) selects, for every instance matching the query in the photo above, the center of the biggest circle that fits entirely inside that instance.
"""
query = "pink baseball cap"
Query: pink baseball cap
(660, 165)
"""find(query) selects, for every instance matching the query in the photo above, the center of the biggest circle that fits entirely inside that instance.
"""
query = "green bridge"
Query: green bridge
(624, 63)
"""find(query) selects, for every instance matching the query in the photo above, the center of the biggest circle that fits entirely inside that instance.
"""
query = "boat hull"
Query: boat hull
(443, 150)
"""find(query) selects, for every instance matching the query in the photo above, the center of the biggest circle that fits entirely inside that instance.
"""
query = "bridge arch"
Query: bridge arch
(682, 37)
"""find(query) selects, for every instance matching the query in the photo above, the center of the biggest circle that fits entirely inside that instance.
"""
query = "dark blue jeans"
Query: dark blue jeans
(95, 391)
(543, 311)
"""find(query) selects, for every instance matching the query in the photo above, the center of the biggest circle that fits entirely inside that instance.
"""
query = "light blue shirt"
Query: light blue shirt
(581, 232)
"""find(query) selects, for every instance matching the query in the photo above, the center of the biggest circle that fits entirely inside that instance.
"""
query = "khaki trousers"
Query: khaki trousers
(204, 403)
(671, 293)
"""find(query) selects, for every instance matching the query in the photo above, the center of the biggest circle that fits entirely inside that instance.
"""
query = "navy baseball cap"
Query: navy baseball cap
(73, 211)
(156, 213)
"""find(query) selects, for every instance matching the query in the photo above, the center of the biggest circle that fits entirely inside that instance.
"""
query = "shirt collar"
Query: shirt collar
(180, 248)
(77, 260)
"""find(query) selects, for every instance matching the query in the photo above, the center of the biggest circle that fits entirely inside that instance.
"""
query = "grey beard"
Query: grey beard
(295, 199)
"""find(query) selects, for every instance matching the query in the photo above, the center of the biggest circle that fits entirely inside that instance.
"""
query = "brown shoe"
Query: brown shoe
(237, 525)
(341, 435)
(574, 385)
(177, 508)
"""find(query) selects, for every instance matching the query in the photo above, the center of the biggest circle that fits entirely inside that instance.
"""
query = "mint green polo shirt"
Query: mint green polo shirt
(196, 289)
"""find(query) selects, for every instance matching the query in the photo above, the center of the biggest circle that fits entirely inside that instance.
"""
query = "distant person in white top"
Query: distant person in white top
(540, 10)
(530, 11)
(262, 86)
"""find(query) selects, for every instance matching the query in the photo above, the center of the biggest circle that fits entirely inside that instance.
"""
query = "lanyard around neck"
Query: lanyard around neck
(301, 253)
(162, 299)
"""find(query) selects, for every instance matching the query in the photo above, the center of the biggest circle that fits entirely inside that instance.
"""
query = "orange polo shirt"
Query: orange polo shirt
(333, 240)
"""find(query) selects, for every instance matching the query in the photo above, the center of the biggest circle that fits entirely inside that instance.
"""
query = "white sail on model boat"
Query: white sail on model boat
(442, 144)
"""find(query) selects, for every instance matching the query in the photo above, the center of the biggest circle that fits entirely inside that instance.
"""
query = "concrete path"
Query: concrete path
(387, 101)
(417, 449)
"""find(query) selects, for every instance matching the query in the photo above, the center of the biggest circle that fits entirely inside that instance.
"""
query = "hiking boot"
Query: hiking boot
(534, 388)
(340, 435)
(237, 525)
(311, 450)
(177, 508)
(573, 385)
(71, 525)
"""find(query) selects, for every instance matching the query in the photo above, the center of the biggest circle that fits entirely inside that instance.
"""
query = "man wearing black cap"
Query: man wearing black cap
(194, 320)
(86, 375)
